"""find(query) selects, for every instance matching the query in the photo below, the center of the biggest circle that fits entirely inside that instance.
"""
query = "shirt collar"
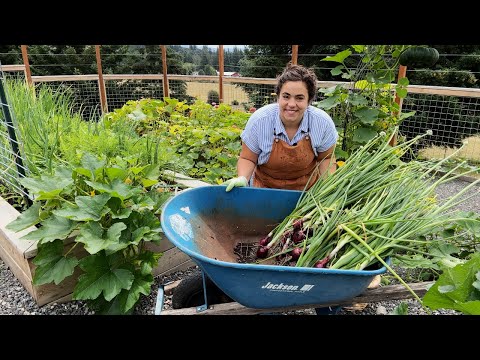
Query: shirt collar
(281, 129)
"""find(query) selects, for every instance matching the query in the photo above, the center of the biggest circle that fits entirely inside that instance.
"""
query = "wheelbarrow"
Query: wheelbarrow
(208, 224)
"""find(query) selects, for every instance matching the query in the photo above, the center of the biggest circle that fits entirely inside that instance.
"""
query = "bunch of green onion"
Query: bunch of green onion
(369, 209)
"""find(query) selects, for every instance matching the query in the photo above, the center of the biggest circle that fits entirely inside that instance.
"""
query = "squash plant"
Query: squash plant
(206, 138)
(109, 210)
(368, 106)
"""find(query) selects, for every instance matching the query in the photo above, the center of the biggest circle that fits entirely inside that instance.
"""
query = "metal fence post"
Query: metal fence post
(12, 137)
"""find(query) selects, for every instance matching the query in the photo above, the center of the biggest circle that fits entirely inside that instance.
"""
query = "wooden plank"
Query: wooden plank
(12, 67)
(12, 240)
(414, 89)
(443, 90)
(47, 293)
(63, 299)
(60, 78)
(168, 289)
(18, 269)
(384, 293)
(182, 179)
(169, 260)
(101, 82)
(178, 267)
(26, 63)
(109, 77)
(14, 253)
(165, 245)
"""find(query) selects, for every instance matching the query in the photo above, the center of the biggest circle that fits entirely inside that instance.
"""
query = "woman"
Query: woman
(288, 144)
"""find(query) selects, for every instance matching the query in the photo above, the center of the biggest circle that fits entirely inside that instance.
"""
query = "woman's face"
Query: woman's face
(293, 101)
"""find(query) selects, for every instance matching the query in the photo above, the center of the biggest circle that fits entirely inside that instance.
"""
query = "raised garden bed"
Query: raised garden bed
(18, 254)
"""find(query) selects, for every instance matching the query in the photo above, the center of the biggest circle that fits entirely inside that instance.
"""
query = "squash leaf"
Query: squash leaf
(52, 265)
(102, 277)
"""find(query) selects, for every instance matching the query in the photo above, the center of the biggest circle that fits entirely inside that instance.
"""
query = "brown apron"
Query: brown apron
(289, 166)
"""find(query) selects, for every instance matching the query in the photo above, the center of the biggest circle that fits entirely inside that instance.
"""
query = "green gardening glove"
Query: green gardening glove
(235, 182)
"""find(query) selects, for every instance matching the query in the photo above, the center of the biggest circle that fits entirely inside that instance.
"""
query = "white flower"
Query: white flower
(429, 132)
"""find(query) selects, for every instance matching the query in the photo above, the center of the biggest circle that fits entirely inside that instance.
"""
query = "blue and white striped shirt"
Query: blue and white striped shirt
(258, 134)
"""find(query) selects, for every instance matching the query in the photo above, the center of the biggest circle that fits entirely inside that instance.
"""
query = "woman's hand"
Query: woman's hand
(235, 182)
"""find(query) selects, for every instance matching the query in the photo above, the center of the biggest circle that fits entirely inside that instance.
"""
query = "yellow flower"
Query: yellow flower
(92, 193)
(128, 181)
(340, 163)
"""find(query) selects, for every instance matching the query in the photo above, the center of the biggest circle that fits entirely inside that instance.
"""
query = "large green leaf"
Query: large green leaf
(90, 163)
(90, 208)
(339, 57)
(116, 173)
(52, 266)
(28, 218)
(117, 210)
(455, 288)
(116, 189)
(141, 285)
(96, 239)
(367, 116)
(55, 227)
(329, 102)
(363, 135)
(358, 100)
(101, 276)
(148, 260)
(47, 186)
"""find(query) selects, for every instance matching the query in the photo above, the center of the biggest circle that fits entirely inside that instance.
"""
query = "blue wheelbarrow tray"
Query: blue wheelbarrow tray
(207, 223)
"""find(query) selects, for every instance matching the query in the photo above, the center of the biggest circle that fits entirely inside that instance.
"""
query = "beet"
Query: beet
(298, 236)
(264, 241)
(321, 263)
(262, 252)
(295, 253)
(298, 224)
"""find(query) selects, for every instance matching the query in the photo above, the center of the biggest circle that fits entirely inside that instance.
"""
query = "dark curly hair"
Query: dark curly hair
(298, 73)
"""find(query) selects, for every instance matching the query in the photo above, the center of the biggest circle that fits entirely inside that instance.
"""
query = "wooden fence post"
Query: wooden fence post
(220, 72)
(164, 66)
(101, 82)
(28, 74)
(294, 54)
(402, 71)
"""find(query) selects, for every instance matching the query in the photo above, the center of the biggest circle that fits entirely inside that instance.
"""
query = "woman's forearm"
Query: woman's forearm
(245, 168)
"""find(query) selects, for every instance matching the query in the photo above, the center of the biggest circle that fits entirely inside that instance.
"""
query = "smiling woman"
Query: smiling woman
(288, 144)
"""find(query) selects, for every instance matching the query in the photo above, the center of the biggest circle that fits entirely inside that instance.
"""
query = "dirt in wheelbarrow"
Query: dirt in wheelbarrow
(230, 239)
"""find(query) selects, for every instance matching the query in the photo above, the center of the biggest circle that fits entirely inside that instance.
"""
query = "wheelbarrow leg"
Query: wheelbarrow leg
(205, 305)
(160, 297)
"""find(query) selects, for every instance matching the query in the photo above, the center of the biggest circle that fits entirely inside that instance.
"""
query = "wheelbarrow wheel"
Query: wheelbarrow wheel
(189, 292)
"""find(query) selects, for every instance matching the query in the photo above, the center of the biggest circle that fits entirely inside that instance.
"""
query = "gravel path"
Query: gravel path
(15, 300)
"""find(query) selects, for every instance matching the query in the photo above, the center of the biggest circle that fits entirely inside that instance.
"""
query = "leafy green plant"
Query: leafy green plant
(400, 309)
(458, 288)
(205, 138)
(368, 107)
(108, 210)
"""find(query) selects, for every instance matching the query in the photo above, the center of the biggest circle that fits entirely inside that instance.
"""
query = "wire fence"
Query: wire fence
(12, 168)
(453, 114)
